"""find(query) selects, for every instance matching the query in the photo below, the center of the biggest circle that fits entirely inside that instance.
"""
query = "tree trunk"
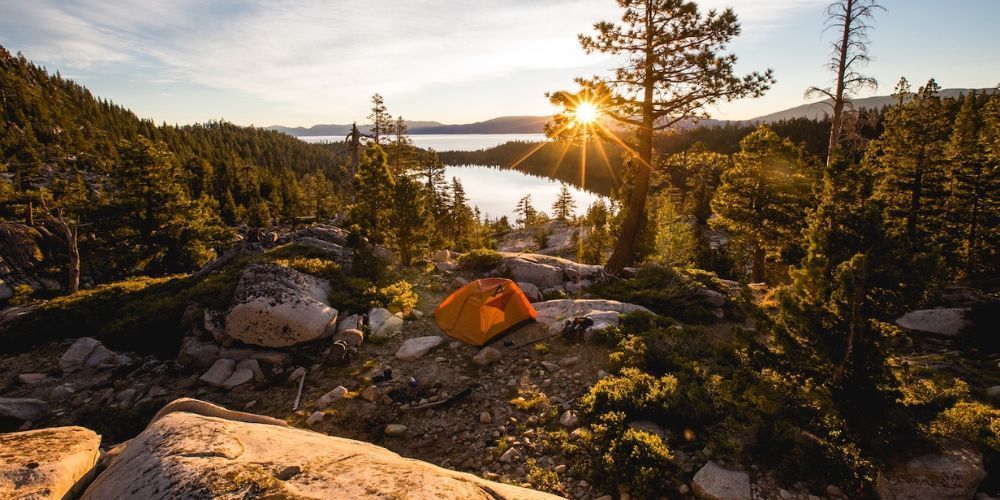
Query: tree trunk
(970, 252)
(74, 260)
(757, 266)
(30, 215)
(836, 121)
(624, 251)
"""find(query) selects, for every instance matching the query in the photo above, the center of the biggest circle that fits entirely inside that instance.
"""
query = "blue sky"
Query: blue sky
(302, 62)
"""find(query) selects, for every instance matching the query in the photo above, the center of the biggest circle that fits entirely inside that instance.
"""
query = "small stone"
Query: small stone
(683, 489)
(508, 455)
(993, 391)
(296, 375)
(395, 430)
(250, 405)
(783, 493)
(24, 409)
(253, 366)
(487, 356)
(485, 418)
(834, 491)
(568, 419)
(333, 396)
(417, 347)
(550, 366)
(30, 378)
(61, 391)
(76, 356)
(238, 378)
(601, 374)
(565, 362)
(370, 393)
(220, 371)
(126, 397)
(559, 469)
(315, 418)
(605, 497)
(157, 391)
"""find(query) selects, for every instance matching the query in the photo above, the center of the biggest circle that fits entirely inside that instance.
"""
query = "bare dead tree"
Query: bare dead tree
(851, 19)
(70, 231)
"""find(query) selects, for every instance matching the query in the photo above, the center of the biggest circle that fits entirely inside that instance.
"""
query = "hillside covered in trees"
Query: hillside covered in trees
(166, 193)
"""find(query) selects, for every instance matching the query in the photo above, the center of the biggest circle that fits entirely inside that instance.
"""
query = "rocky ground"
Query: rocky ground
(504, 413)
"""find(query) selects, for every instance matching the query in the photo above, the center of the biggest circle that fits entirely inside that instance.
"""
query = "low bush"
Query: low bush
(973, 422)
(637, 394)
(480, 259)
(639, 461)
(664, 290)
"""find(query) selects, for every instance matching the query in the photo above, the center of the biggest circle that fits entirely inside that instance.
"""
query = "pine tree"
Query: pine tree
(319, 192)
(171, 232)
(762, 196)
(527, 215)
(911, 156)
(412, 218)
(969, 182)
(460, 216)
(597, 236)
(374, 185)
(433, 174)
(675, 237)
(564, 205)
(983, 254)
(675, 69)
(381, 120)
(400, 149)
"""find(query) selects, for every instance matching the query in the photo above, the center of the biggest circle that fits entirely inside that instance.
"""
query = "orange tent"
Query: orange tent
(483, 309)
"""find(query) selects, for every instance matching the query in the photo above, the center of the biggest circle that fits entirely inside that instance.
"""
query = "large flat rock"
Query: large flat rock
(604, 313)
(47, 463)
(188, 455)
(942, 321)
(954, 473)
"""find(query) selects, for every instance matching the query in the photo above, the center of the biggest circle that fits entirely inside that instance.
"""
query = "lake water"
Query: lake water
(496, 192)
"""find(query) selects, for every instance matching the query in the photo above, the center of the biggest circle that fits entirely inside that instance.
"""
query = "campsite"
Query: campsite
(581, 249)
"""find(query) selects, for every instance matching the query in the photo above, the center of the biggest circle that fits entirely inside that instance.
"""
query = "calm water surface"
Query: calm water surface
(496, 192)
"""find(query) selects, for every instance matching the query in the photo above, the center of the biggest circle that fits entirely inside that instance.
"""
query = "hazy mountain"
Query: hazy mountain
(501, 125)
(536, 124)
(340, 130)
(819, 109)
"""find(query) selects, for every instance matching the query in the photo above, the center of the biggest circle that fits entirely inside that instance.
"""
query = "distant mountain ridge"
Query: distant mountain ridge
(501, 125)
(536, 124)
(818, 110)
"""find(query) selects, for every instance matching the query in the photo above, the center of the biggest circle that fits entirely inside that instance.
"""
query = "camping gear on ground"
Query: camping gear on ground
(573, 332)
(339, 354)
(457, 397)
(381, 377)
(483, 309)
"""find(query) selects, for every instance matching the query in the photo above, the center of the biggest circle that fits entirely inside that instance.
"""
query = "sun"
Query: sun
(586, 113)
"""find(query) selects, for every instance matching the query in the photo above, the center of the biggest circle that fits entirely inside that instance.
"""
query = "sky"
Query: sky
(305, 62)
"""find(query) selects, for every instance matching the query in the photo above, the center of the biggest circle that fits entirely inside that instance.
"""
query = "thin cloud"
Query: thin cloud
(313, 56)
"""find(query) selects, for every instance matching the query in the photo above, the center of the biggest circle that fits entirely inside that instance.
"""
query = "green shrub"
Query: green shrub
(640, 461)
(398, 296)
(541, 237)
(480, 259)
(664, 290)
(636, 394)
(22, 295)
(315, 266)
(969, 421)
